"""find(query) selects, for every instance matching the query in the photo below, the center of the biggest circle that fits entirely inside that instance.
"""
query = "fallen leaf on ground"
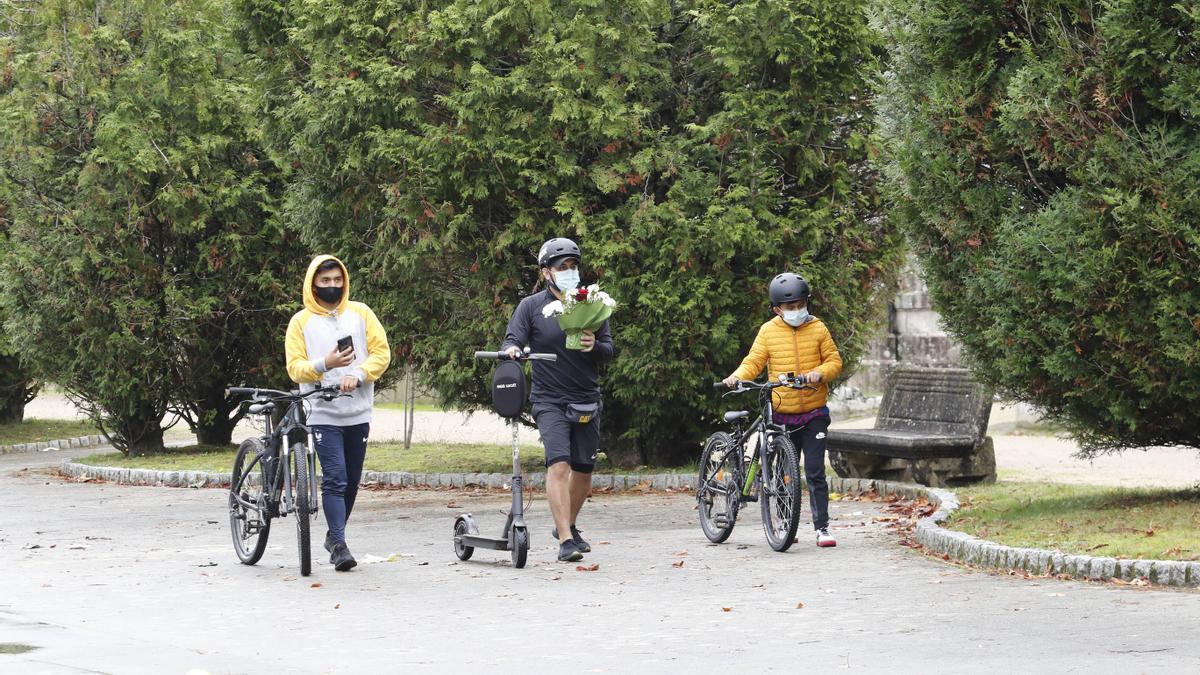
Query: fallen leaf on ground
(678, 564)
(338, 606)
(799, 605)
(451, 505)
(587, 568)
(683, 552)
(316, 585)
(289, 578)
(726, 609)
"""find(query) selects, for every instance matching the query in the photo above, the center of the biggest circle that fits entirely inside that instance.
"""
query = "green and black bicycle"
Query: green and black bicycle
(754, 462)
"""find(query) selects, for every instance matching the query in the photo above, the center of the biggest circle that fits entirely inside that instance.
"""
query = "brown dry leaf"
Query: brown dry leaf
(683, 552)
(678, 564)
(726, 609)
(338, 606)
(1141, 581)
(289, 578)
(604, 542)
(588, 568)
(316, 585)
(799, 605)
(451, 505)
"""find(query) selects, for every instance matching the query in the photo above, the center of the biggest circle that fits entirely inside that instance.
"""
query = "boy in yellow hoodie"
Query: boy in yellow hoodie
(341, 426)
(798, 342)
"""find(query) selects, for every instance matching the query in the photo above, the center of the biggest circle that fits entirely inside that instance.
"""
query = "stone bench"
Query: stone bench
(931, 429)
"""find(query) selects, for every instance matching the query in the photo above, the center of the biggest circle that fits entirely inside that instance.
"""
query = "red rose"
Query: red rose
(581, 294)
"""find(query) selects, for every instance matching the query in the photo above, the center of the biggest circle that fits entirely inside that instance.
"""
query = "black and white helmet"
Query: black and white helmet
(556, 248)
(788, 287)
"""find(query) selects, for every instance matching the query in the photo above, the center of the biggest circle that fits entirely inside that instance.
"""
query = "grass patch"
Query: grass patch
(1160, 524)
(35, 430)
(15, 648)
(420, 407)
(420, 458)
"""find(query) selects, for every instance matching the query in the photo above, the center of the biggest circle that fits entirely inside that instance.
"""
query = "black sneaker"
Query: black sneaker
(580, 542)
(329, 541)
(341, 558)
(568, 551)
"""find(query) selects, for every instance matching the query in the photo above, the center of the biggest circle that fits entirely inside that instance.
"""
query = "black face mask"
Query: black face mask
(330, 294)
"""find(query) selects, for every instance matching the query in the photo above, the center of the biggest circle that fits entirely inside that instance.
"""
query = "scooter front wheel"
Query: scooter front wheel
(519, 538)
(464, 525)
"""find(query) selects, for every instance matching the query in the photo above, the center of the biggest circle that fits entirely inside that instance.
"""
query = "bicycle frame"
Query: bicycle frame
(277, 452)
(764, 430)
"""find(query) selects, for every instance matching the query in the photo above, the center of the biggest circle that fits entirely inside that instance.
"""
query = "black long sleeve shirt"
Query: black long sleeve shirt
(575, 376)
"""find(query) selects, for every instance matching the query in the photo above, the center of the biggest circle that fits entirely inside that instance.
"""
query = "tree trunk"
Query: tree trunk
(148, 441)
(217, 432)
(12, 407)
(15, 390)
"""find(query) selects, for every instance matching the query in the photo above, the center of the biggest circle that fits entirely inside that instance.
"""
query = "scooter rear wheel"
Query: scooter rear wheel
(519, 537)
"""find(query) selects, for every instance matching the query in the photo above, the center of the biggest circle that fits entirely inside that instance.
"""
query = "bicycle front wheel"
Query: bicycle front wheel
(249, 512)
(717, 488)
(303, 510)
(780, 494)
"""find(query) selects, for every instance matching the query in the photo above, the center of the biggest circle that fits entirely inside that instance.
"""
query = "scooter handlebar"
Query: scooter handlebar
(503, 356)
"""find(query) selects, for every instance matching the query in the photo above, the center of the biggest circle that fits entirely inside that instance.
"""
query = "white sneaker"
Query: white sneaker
(824, 539)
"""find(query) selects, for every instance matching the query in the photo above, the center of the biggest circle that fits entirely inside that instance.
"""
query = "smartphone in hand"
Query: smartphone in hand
(345, 343)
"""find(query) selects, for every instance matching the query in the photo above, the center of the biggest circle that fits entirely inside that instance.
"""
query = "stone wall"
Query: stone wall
(911, 333)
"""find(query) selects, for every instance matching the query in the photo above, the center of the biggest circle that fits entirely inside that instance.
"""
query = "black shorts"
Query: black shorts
(567, 441)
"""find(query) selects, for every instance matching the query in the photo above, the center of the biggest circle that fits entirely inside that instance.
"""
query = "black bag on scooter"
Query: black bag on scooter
(509, 389)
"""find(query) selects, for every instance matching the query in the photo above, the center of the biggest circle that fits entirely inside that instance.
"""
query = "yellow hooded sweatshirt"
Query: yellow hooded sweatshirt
(800, 350)
(314, 331)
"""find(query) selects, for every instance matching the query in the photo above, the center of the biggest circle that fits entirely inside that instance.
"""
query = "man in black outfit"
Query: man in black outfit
(565, 393)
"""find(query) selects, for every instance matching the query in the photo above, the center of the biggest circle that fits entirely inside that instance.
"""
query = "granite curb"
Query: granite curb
(57, 444)
(977, 552)
(958, 546)
(199, 479)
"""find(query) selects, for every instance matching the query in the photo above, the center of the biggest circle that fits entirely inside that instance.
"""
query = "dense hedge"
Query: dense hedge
(1045, 157)
(694, 149)
(143, 271)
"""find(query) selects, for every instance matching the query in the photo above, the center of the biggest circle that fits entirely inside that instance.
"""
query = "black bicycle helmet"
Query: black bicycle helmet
(559, 247)
(788, 287)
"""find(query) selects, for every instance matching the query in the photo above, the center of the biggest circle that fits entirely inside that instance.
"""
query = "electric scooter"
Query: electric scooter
(510, 388)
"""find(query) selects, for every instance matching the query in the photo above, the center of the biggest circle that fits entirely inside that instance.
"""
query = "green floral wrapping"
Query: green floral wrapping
(583, 316)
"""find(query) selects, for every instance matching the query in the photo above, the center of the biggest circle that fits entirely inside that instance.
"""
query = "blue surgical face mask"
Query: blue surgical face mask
(566, 280)
(795, 317)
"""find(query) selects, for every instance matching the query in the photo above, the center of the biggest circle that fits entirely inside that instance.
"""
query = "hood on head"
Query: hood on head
(310, 298)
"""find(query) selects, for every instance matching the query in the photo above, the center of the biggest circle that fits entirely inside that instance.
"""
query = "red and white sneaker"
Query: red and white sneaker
(824, 539)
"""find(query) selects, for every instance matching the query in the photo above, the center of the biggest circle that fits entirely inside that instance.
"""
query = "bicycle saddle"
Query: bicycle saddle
(736, 415)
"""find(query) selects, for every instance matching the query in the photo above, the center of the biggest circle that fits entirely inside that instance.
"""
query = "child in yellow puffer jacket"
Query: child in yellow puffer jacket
(798, 342)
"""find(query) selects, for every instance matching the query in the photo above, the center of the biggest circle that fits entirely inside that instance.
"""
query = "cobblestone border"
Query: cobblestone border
(960, 546)
(198, 479)
(972, 550)
(59, 444)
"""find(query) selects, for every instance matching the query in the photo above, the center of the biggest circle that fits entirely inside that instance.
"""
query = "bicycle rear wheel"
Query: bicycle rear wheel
(249, 512)
(717, 487)
(780, 498)
(303, 510)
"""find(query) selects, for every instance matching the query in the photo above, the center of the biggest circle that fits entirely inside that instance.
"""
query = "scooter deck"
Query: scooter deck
(483, 542)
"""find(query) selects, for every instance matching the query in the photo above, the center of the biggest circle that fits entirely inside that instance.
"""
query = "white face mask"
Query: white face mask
(795, 317)
(566, 280)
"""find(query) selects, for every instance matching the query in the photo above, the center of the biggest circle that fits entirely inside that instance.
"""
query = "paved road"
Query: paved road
(128, 579)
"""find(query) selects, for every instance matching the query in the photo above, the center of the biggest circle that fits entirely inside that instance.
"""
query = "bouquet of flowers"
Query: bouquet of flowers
(581, 309)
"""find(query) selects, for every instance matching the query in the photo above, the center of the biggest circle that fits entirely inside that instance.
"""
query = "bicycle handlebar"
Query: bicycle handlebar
(256, 392)
(750, 385)
(503, 356)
